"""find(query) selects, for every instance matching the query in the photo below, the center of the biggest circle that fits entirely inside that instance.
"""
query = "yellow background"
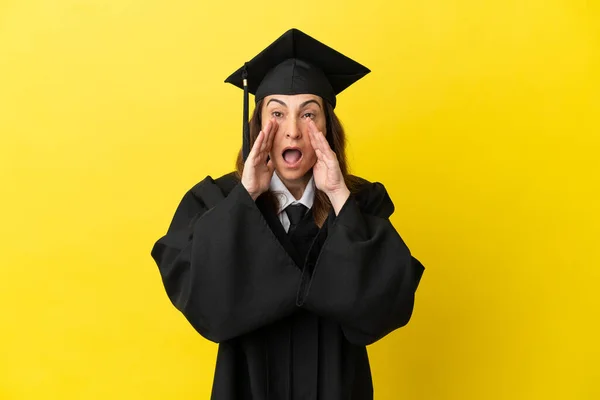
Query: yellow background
(481, 117)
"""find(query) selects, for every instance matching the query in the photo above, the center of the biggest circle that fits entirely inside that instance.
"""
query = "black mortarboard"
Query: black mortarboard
(295, 64)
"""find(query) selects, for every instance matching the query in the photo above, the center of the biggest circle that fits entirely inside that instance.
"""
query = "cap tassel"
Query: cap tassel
(246, 126)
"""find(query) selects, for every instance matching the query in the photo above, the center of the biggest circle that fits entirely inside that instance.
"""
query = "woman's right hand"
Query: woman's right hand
(257, 174)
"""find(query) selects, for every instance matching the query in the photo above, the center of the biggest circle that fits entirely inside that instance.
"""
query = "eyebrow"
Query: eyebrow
(277, 101)
(307, 102)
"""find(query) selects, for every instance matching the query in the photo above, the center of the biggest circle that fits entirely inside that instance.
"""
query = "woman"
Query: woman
(290, 264)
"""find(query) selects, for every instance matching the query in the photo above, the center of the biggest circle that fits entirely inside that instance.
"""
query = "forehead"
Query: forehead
(292, 100)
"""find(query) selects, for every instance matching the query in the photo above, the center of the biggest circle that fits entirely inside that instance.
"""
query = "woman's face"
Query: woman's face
(292, 154)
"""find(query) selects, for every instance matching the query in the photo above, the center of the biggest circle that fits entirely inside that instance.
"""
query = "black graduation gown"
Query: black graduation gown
(292, 315)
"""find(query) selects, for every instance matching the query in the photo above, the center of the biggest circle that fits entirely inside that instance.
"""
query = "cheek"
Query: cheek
(278, 140)
(319, 122)
(322, 125)
(310, 157)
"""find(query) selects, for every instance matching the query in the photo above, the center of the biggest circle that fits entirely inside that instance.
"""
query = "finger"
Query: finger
(274, 127)
(267, 127)
(325, 147)
(270, 139)
(312, 127)
(269, 133)
(321, 158)
(268, 136)
(314, 140)
(319, 146)
(270, 166)
(265, 141)
(319, 155)
(318, 136)
(256, 146)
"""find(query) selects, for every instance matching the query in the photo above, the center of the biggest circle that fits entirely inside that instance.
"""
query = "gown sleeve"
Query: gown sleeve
(222, 266)
(364, 276)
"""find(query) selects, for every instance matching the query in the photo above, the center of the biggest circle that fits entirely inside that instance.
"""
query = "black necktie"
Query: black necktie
(295, 212)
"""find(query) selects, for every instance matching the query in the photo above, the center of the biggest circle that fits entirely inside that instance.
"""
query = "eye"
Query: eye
(308, 115)
(277, 114)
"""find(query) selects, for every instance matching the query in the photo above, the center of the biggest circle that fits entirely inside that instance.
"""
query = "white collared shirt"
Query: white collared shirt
(285, 198)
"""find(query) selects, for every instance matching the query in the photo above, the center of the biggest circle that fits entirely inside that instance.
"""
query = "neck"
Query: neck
(297, 187)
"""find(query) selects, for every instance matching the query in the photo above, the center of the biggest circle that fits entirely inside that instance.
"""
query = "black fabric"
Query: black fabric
(296, 63)
(295, 213)
(292, 313)
(304, 325)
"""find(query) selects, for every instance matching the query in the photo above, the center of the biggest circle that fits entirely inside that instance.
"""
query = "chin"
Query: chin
(295, 174)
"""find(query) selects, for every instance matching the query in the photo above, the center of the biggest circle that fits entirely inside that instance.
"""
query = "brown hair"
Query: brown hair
(337, 140)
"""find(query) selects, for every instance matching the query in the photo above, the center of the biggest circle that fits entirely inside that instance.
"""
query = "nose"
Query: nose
(293, 130)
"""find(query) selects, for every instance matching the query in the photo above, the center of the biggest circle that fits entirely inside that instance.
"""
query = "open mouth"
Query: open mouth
(292, 156)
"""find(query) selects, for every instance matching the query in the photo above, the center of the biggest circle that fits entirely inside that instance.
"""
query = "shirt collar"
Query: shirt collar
(285, 198)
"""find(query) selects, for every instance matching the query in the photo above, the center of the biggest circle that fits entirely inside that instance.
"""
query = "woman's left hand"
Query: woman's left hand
(327, 174)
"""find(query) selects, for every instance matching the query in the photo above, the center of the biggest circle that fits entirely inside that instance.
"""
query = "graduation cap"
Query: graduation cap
(295, 63)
